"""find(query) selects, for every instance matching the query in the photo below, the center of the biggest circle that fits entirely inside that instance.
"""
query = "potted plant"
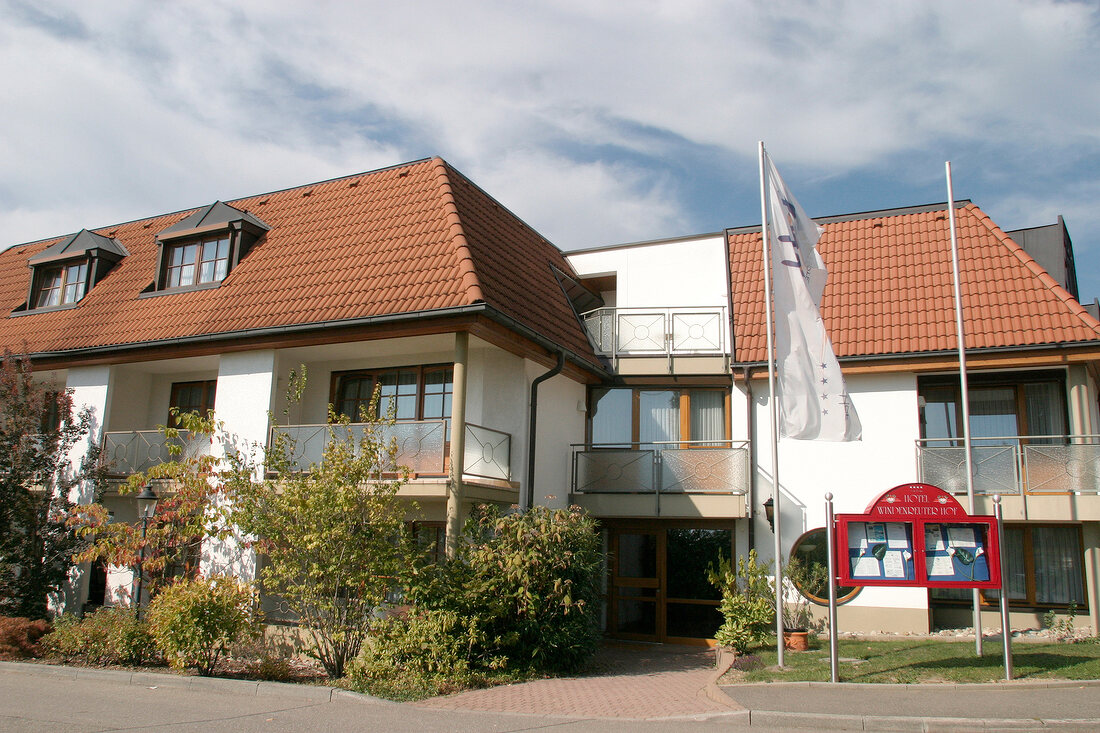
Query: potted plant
(798, 621)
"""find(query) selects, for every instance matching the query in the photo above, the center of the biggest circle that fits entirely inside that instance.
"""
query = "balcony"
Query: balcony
(129, 452)
(421, 447)
(1014, 466)
(652, 336)
(685, 478)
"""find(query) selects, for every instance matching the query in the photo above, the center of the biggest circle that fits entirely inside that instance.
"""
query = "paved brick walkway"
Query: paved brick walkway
(626, 681)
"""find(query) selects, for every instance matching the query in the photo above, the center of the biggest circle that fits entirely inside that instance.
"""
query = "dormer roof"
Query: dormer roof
(216, 217)
(78, 245)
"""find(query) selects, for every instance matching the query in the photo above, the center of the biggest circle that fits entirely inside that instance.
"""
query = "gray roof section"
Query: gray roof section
(211, 217)
(1052, 248)
(76, 245)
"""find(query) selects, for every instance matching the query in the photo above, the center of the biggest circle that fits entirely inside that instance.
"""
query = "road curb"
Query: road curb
(816, 721)
(1034, 684)
(247, 688)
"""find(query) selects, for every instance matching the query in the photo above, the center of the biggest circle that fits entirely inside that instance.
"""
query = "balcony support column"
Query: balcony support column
(456, 492)
(1080, 414)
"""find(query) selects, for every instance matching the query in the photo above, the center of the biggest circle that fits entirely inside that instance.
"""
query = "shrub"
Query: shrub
(19, 637)
(107, 636)
(262, 661)
(747, 603)
(521, 597)
(195, 621)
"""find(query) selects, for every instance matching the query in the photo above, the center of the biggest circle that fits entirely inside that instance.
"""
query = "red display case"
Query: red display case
(917, 535)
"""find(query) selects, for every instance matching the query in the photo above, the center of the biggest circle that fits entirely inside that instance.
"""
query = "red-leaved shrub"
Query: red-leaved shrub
(19, 637)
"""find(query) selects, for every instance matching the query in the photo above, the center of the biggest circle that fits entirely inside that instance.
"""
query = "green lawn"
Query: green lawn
(925, 660)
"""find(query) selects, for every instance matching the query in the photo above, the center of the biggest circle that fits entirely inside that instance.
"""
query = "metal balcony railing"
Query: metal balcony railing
(618, 332)
(421, 446)
(1012, 465)
(681, 467)
(128, 452)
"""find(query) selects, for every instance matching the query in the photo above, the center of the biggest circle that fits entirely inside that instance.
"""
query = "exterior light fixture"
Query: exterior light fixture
(147, 505)
(769, 513)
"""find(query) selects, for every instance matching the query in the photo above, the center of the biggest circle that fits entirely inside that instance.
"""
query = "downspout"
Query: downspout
(527, 496)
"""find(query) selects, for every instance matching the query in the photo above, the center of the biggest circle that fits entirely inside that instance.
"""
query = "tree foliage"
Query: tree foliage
(332, 538)
(521, 597)
(190, 509)
(37, 431)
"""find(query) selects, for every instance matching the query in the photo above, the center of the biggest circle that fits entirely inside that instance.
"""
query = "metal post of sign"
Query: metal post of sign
(1006, 629)
(830, 548)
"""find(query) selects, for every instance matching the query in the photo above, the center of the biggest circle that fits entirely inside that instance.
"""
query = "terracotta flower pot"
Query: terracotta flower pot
(796, 641)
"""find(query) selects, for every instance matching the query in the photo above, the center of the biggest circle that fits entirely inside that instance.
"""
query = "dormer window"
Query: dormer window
(206, 261)
(62, 285)
(204, 247)
(63, 273)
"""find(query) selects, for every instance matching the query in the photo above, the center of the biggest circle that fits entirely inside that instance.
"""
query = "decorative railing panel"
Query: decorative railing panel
(126, 453)
(420, 444)
(704, 470)
(667, 468)
(488, 453)
(657, 331)
(1062, 468)
(606, 470)
(1014, 464)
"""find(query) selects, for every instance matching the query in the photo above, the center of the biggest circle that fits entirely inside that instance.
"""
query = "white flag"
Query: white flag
(814, 403)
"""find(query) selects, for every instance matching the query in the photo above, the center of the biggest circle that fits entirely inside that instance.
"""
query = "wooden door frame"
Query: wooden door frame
(659, 528)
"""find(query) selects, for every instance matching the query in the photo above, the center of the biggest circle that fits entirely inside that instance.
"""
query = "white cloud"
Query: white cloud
(574, 113)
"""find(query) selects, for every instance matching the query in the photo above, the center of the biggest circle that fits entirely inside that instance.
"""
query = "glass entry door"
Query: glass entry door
(635, 584)
(658, 589)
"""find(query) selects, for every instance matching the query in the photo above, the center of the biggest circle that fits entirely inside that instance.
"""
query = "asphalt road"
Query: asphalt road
(30, 703)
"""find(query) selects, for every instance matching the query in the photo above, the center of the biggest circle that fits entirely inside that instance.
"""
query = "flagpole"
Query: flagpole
(773, 405)
(965, 396)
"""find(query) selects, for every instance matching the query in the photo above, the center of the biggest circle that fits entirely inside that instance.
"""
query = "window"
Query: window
(195, 263)
(431, 539)
(65, 271)
(646, 417)
(204, 247)
(61, 285)
(191, 397)
(413, 393)
(1044, 566)
(1002, 408)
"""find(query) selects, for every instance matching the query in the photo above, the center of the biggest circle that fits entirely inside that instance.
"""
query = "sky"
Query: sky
(596, 121)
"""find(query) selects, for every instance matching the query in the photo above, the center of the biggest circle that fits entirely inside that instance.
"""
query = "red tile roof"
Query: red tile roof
(890, 288)
(412, 238)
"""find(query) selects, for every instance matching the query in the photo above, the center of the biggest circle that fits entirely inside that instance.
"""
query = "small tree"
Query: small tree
(37, 430)
(333, 537)
(747, 604)
(189, 511)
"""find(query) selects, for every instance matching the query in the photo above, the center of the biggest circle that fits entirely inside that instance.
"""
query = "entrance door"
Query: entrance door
(635, 584)
(658, 589)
